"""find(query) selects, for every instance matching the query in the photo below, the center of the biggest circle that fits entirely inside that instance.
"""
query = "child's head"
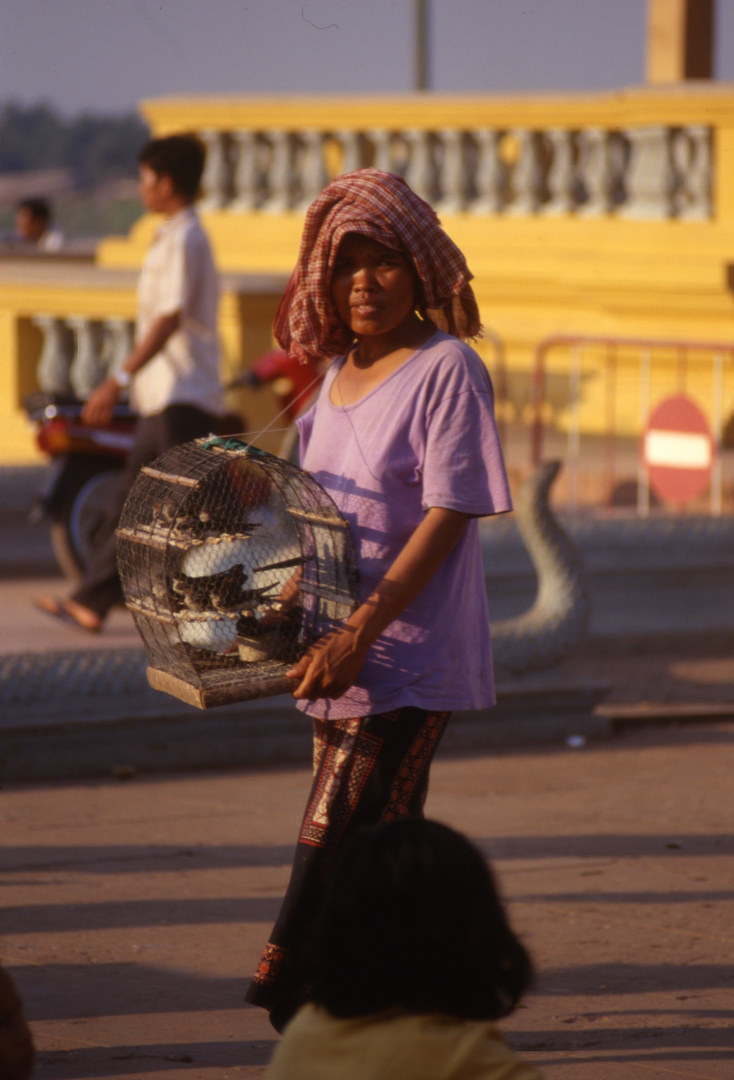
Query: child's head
(412, 919)
(17, 1055)
(180, 158)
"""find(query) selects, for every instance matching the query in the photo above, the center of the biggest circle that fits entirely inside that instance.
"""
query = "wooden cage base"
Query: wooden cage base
(215, 691)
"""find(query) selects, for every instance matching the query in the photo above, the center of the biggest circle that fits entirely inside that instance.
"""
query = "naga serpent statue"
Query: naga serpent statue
(557, 620)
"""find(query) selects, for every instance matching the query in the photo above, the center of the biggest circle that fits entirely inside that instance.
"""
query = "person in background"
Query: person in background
(414, 960)
(33, 225)
(173, 369)
(17, 1053)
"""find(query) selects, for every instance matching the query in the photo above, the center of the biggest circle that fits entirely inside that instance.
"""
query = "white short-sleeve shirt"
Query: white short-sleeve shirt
(178, 274)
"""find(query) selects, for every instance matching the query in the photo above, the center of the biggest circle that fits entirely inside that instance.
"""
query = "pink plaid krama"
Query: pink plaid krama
(382, 206)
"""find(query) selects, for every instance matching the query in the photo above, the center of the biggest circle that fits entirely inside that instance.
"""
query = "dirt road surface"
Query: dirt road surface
(132, 912)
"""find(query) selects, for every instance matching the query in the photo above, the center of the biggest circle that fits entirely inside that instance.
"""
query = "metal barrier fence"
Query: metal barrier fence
(605, 392)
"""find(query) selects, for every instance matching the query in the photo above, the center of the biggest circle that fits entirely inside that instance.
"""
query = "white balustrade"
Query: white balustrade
(215, 183)
(57, 353)
(89, 366)
(490, 178)
(646, 172)
(691, 148)
(245, 172)
(595, 172)
(279, 173)
(650, 180)
(313, 174)
(452, 171)
(527, 175)
(78, 353)
(561, 178)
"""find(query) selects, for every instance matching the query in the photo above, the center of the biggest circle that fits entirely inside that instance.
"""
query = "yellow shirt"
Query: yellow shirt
(394, 1046)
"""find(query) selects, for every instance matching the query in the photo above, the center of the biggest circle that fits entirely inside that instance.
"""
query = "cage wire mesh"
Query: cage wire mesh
(232, 563)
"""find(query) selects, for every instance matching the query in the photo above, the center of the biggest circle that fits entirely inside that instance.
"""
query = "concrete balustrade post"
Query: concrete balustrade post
(419, 171)
(528, 181)
(280, 173)
(691, 150)
(57, 353)
(244, 144)
(594, 170)
(89, 366)
(216, 181)
(562, 183)
(451, 171)
(350, 143)
(382, 156)
(311, 168)
(490, 178)
(119, 335)
(650, 180)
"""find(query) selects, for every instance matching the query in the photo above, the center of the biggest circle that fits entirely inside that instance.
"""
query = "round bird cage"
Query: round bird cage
(232, 563)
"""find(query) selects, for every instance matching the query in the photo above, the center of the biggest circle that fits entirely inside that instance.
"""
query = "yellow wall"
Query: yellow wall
(537, 275)
(534, 276)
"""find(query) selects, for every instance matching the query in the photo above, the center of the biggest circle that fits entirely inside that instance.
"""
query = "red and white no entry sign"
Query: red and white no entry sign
(678, 450)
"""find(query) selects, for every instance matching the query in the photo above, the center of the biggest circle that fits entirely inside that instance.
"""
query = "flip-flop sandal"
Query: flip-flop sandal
(57, 610)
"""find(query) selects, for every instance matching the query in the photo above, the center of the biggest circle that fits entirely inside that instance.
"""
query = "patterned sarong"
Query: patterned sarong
(366, 770)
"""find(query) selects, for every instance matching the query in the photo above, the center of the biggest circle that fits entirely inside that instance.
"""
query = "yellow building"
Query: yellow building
(587, 215)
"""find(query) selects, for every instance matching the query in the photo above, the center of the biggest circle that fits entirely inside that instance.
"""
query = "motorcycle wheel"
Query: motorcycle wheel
(77, 520)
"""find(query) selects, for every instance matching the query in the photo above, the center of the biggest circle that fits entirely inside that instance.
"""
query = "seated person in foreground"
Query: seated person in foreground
(414, 959)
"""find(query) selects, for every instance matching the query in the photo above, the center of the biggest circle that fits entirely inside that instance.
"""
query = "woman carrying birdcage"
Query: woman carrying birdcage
(404, 440)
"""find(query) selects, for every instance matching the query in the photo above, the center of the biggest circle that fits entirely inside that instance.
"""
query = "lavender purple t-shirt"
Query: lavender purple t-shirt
(423, 437)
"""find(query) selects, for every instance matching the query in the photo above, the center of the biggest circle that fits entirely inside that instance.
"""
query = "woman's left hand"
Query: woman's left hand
(330, 666)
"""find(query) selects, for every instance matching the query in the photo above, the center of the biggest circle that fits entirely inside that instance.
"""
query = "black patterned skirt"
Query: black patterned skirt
(366, 770)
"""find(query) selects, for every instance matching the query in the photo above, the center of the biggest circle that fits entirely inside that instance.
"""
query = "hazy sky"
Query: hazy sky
(106, 55)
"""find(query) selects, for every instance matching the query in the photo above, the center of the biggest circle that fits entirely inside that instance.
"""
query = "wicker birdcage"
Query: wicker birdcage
(232, 563)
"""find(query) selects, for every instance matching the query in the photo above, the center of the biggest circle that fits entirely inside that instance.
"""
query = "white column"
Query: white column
(561, 174)
(451, 171)
(594, 171)
(527, 175)
(312, 174)
(244, 144)
(490, 179)
(279, 173)
(380, 139)
(418, 174)
(351, 148)
(692, 163)
(215, 183)
(56, 355)
(650, 180)
(120, 335)
(88, 368)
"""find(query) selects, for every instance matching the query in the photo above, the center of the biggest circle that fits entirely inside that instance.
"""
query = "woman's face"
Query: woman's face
(373, 287)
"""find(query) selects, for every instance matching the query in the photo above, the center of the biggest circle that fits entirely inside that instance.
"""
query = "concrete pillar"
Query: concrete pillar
(680, 37)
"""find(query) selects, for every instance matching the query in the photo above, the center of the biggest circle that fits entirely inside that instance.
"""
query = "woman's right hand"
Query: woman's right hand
(330, 667)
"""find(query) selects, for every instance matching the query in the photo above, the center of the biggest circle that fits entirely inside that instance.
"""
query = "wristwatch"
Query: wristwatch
(122, 378)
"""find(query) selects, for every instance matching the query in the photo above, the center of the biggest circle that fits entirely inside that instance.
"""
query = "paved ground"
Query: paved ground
(132, 913)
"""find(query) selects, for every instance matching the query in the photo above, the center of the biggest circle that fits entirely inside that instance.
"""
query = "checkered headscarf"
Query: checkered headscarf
(382, 206)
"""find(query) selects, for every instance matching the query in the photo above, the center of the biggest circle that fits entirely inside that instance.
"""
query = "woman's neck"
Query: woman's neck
(360, 374)
(370, 349)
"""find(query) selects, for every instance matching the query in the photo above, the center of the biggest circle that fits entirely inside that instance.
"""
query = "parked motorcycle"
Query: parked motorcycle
(86, 463)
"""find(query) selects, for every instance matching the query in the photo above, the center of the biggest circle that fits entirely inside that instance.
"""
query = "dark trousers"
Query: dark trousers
(367, 770)
(100, 588)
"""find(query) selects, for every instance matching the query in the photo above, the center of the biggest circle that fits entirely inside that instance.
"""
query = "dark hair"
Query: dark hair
(412, 919)
(37, 208)
(181, 157)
